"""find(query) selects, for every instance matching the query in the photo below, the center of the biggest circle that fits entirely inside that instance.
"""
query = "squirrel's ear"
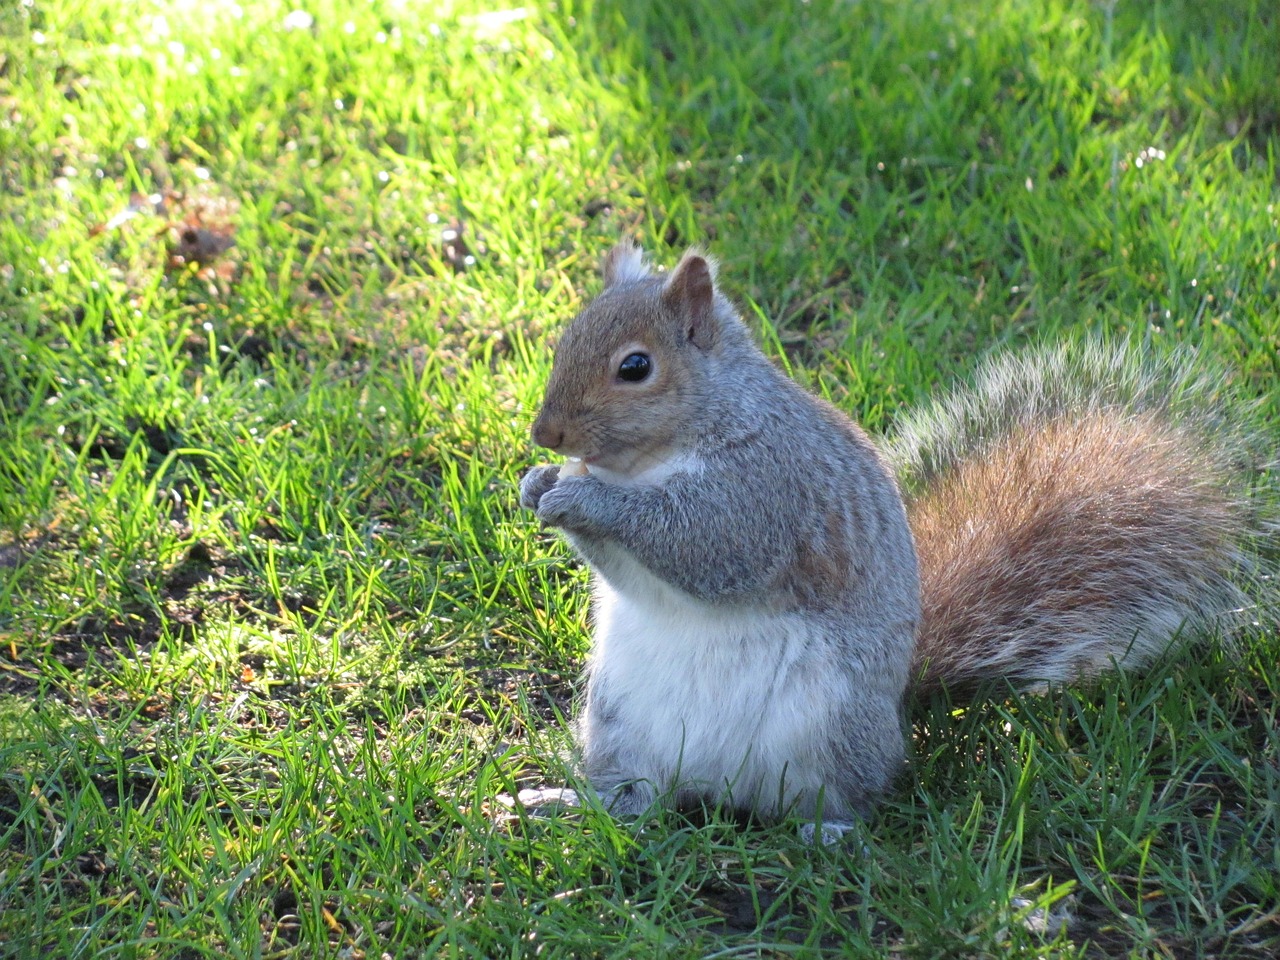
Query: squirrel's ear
(690, 291)
(624, 264)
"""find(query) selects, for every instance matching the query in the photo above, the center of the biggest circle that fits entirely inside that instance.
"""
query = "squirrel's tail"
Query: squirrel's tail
(1078, 507)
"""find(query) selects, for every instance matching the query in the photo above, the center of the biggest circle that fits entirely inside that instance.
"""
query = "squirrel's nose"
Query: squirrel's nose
(547, 435)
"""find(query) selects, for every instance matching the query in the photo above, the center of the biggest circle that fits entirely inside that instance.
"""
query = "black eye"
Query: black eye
(634, 367)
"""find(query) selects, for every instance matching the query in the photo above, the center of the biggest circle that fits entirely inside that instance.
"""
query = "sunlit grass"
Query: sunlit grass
(277, 293)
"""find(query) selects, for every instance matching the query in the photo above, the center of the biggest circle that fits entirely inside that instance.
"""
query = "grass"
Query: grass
(276, 298)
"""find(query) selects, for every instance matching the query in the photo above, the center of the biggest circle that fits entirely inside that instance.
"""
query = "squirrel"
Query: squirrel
(767, 599)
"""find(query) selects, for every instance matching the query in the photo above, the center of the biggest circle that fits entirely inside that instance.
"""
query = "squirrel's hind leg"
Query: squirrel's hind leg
(833, 831)
(626, 800)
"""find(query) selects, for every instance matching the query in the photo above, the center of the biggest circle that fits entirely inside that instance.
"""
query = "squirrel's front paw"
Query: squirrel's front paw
(537, 482)
(562, 505)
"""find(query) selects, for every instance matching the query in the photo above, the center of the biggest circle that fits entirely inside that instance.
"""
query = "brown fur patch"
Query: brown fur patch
(822, 565)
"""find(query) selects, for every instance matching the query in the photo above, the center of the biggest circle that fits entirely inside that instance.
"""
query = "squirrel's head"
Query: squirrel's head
(631, 368)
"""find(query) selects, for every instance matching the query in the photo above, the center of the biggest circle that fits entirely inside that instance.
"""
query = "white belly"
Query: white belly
(720, 700)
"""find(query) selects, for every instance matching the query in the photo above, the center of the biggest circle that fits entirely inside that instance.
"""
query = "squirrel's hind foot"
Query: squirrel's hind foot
(833, 831)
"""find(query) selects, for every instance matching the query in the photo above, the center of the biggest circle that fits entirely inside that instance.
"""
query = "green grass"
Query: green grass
(273, 632)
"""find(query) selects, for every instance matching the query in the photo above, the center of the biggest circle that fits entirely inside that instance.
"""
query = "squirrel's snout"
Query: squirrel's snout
(547, 434)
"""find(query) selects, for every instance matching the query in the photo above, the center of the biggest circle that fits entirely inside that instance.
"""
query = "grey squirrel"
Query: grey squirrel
(765, 597)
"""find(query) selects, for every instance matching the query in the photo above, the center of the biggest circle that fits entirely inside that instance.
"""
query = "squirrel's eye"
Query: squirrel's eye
(634, 367)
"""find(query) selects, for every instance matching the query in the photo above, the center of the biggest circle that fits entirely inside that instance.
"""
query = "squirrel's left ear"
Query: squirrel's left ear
(624, 264)
(690, 292)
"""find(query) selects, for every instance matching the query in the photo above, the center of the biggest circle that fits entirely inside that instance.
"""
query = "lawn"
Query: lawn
(278, 292)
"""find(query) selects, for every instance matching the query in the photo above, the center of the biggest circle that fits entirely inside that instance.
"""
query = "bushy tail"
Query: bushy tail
(1078, 507)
